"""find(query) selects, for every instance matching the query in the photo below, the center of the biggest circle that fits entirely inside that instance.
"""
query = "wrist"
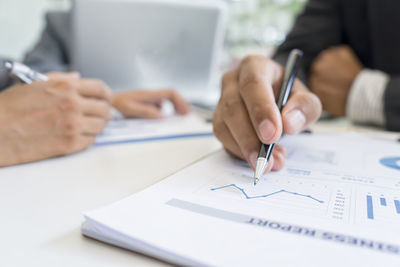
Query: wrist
(356, 72)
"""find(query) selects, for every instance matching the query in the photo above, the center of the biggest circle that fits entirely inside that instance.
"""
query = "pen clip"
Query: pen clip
(289, 77)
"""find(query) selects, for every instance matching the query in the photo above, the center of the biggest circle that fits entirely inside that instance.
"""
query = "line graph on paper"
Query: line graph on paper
(280, 193)
(265, 195)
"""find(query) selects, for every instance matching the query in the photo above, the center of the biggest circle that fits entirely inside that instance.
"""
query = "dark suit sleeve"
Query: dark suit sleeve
(392, 104)
(50, 53)
(316, 28)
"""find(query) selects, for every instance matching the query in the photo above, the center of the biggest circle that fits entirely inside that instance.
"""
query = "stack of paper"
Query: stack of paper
(336, 203)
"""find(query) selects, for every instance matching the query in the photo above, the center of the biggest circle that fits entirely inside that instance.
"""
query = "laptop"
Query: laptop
(149, 44)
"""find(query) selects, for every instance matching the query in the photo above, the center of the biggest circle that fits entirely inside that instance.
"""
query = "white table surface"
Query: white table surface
(41, 203)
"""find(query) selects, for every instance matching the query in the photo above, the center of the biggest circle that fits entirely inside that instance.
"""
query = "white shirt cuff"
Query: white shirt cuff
(365, 102)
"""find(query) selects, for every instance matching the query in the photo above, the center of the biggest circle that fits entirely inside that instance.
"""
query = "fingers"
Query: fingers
(277, 159)
(95, 89)
(271, 163)
(180, 104)
(255, 88)
(237, 124)
(71, 82)
(75, 144)
(142, 110)
(96, 108)
(85, 142)
(280, 149)
(278, 156)
(247, 112)
(78, 133)
(237, 120)
(147, 104)
(222, 132)
(92, 126)
(95, 99)
(233, 127)
(302, 109)
(63, 75)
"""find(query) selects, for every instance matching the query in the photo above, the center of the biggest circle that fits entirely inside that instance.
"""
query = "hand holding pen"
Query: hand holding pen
(287, 83)
(247, 114)
(50, 117)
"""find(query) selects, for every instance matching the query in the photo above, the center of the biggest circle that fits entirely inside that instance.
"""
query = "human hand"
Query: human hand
(148, 104)
(53, 118)
(332, 75)
(247, 113)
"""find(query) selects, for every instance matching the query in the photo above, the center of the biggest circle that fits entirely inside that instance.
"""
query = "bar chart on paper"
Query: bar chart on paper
(384, 208)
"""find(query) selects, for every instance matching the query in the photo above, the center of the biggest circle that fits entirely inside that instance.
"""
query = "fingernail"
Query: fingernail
(267, 130)
(296, 120)
(253, 159)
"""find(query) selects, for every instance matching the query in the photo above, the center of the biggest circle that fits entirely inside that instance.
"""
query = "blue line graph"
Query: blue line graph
(266, 195)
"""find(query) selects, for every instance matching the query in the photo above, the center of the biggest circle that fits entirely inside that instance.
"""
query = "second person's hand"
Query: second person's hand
(247, 113)
(331, 76)
(148, 104)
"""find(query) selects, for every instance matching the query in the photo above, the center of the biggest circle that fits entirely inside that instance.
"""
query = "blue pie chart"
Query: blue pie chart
(391, 162)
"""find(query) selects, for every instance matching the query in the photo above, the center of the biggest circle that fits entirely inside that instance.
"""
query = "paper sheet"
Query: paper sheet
(336, 203)
(137, 130)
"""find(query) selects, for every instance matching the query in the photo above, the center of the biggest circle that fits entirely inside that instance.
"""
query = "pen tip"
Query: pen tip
(255, 181)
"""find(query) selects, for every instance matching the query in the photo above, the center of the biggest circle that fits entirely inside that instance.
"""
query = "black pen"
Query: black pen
(292, 66)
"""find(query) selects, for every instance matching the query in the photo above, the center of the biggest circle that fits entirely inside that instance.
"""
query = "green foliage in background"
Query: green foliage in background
(260, 22)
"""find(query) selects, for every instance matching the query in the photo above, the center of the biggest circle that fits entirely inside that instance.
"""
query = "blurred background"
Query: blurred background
(254, 26)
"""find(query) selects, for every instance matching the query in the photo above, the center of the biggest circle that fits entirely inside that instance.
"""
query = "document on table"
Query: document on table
(137, 130)
(336, 203)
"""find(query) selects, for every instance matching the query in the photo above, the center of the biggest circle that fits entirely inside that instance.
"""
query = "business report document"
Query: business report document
(336, 203)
